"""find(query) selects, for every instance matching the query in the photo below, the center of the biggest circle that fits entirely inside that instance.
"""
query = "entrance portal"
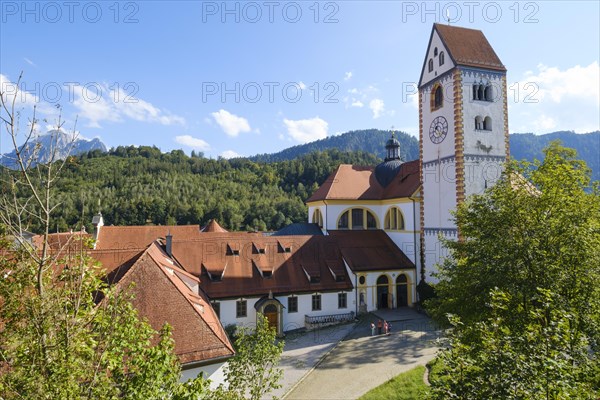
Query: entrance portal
(382, 292)
(402, 290)
(272, 315)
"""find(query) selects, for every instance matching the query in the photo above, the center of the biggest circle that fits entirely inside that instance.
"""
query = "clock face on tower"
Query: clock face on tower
(438, 130)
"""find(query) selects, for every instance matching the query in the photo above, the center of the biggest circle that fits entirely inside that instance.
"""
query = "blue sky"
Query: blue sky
(241, 78)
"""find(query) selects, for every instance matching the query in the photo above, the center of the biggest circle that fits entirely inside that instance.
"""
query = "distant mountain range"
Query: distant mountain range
(522, 146)
(54, 141)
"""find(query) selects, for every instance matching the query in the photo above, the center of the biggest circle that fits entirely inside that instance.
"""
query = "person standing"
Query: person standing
(379, 326)
(372, 329)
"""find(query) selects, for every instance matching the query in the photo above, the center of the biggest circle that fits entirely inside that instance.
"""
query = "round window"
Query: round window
(361, 280)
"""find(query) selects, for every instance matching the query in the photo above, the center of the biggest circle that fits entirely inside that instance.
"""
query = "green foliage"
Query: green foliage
(253, 371)
(408, 385)
(58, 343)
(544, 358)
(522, 285)
(141, 185)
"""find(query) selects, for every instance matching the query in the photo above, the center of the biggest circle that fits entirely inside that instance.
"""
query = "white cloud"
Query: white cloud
(353, 91)
(556, 85)
(192, 142)
(347, 76)
(231, 124)
(98, 103)
(378, 107)
(302, 85)
(28, 61)
(307, 130)
(356, 103)
(230, 154)
(550, 99)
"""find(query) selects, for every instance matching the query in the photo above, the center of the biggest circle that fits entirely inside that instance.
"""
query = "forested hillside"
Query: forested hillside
(368, 140)
(141, 185)
(522, 146)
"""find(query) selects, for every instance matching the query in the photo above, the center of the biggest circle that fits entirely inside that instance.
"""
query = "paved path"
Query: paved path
(361, 361)
(303, 350)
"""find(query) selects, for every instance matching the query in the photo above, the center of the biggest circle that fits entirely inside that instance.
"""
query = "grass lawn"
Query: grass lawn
(408, 385)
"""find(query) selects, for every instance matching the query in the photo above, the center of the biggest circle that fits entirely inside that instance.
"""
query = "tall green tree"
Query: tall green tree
(253, 372)
(57, 339)
(533, 239)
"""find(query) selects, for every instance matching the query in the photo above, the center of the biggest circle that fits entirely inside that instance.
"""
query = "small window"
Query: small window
(357, 218)
(442, 58)
(435, 52)
(292, 304)
(478, 123)
(362, 280)
(318, 218)
(430, 65)
(487, 124)
(217, 307)
(489, 93)
(394, 220)
(342, 300)
(241, 309)
(439, 97)
(316, 302)
(343, 221)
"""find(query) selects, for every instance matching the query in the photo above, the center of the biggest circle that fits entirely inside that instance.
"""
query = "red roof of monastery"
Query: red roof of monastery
(165, 293)
(350, 182)
(213, 226)
(239, 264)
(469, 47)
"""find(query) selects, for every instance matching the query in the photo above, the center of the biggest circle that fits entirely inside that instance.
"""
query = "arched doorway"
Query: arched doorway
(402, 290)
(270, 311)
(382, 292)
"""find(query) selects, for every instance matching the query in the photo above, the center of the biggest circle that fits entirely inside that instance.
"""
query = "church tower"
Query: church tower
(463, 130)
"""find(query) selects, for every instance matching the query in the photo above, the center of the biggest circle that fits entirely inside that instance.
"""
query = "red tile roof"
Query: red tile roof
(469, 47)
(139, 237)
(164, 293)
(247, 274)
(370, 250)
(349, 182)
(213, 226)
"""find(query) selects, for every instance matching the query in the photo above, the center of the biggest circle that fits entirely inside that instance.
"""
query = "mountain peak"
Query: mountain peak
(51, 146)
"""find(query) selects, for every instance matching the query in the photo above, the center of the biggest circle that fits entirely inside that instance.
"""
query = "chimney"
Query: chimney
(169, 244)
(98, 223)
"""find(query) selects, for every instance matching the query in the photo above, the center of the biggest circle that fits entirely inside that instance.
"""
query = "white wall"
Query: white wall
(291, 321)
(214, 372)
(437, 70)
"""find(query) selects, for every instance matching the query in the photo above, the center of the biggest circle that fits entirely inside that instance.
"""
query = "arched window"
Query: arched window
(480, 92)
(430, 65)
(478, 123)
(441, 58)
(487, 124)
(357, 219)
(343, 221)
(475, 91)
(489, 93)
(394, 221)
(317, 218)
(435, 51)
(437, 97)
